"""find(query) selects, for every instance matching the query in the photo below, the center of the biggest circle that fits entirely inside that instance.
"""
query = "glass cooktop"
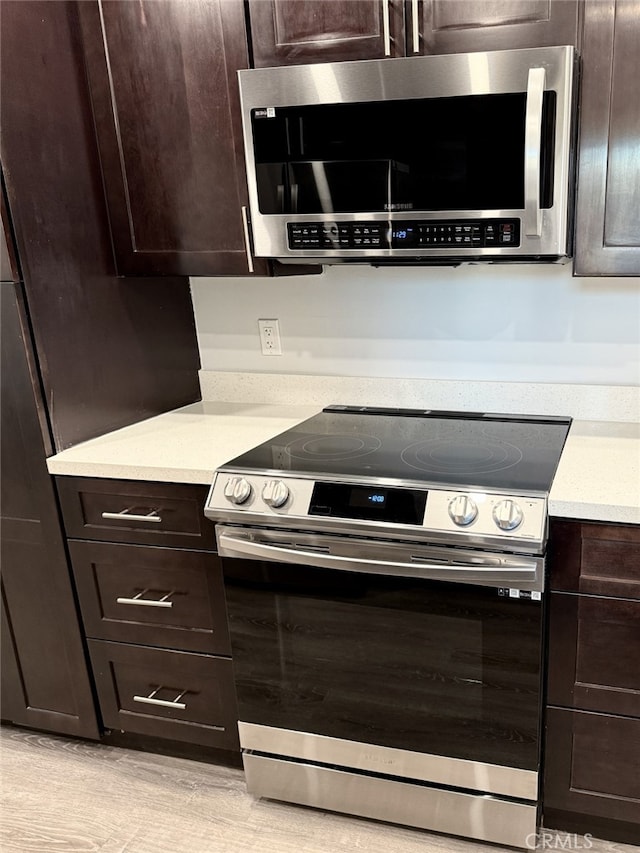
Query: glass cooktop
(471, 449)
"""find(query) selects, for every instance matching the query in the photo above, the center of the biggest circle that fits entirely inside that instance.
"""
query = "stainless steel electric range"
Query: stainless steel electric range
(385, 575)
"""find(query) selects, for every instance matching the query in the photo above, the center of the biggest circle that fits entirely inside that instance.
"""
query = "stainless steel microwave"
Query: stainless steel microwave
(429, 159)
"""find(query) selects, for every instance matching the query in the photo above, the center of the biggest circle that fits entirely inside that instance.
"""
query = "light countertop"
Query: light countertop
(182, 446)
(598, 478)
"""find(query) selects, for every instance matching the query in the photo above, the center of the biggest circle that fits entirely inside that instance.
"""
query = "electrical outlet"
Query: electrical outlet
(279, 457)
(270, 337)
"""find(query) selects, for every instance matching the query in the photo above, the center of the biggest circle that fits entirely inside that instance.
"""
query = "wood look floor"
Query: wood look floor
(72, 796)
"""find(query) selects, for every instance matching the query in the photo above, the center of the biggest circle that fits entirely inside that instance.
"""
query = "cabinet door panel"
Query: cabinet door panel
(607, 222)
(591, 772)
(593, 660)
(163, 85)
(292, 32)
(456, 26)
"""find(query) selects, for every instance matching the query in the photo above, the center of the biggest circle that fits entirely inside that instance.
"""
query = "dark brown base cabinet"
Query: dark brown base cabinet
(45, 678)
(592, 748)
(152, 601)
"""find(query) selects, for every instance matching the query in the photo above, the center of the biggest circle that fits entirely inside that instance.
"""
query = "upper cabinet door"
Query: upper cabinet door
(163, 85)
(293, 32)
(459, 26)
(607, 221)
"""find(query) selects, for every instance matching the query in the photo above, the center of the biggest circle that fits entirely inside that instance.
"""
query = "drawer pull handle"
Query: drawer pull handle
(148, 602)
(127, 515)
(174, 703)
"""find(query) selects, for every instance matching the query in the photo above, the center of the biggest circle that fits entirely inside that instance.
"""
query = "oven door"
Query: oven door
(406, 660)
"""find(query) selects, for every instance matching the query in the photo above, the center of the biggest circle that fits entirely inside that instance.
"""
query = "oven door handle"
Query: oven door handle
(511, 569)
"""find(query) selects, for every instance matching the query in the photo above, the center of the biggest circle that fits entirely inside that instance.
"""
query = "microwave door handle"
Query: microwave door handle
(513, 571)
(533, 152)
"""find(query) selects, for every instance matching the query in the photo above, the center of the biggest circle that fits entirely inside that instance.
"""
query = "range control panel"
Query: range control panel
(409, 234)
(454, 515)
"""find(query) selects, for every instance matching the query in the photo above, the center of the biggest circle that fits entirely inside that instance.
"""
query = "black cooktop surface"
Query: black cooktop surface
(470, 449)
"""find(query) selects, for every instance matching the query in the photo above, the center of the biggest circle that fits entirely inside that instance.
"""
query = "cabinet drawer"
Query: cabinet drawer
(591, 770)
(153, 596)
(138, 512)
(177, 695)
(598, 559)
(593, 653)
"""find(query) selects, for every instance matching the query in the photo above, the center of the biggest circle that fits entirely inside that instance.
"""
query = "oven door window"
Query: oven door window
(463, 153)
(429, 667)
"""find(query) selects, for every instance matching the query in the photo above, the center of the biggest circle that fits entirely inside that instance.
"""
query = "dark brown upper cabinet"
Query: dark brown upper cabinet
(162, 78)
(458, 26)
(607, 222)
(110, 352)
(291, 32)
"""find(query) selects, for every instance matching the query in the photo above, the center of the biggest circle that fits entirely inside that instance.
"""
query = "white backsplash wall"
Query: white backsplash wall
(521, 323)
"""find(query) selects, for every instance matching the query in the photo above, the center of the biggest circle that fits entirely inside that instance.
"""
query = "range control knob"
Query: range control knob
(275, 493)
(237, 490)
(462, 510)
(507, 515)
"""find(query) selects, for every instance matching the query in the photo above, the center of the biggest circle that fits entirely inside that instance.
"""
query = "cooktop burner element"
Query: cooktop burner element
(441, 455)
(327, 447)
(455, 477)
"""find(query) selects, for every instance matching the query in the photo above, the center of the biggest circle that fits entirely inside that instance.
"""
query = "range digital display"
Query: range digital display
(370, 503)
(368, 497)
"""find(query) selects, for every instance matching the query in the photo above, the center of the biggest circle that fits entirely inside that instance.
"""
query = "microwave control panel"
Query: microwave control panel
(410, 234)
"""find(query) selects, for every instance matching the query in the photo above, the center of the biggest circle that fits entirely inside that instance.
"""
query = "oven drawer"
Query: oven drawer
(391, 799)
(167, 694)
(136, 511)
(153, 596)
